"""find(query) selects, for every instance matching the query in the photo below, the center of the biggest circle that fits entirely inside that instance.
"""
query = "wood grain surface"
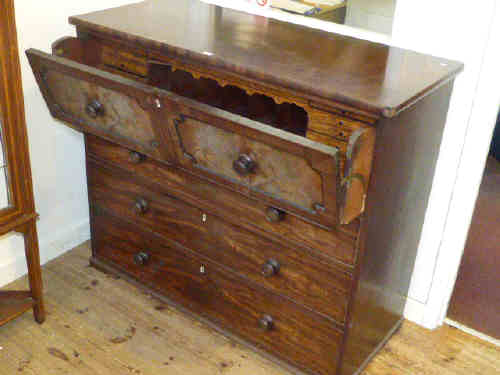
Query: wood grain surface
(289, 168)
(255, 138)
(18, 212)
(374, 77)
(11, 306)
(302, 277)
(123, 110)
(295, 334)
(397, 197)
(277, 173)
(143, 336)
(357, 174)
(121, 115)
(251, 213)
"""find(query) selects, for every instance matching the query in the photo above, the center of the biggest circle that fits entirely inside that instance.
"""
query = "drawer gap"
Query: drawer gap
(286, 116)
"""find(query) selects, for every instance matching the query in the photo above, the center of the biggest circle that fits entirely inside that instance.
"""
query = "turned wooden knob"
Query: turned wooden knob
(140, 206)
(135, 157)
(270, 268)
(94, 109)
(266, 323)
(274, 215)
(244, 165)
(141, 258)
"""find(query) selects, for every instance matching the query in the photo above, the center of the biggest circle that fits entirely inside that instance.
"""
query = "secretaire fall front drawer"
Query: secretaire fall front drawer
(97, 102)
(286, 170)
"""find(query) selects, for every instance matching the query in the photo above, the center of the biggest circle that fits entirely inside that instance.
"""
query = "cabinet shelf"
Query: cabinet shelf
(13, 304)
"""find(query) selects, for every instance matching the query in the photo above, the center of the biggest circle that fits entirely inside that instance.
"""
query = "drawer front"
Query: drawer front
(260, 167)
(334, 125)
(266, 320)
(285, 170)
(123, 59)
(308, 280)
(251, 213)
(104, 104)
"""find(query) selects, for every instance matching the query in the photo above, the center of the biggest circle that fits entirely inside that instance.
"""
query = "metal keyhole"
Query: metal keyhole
(204, 218)
(202, 269)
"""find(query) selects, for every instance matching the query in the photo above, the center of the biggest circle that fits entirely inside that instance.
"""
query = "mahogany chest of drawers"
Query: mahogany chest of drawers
(268, 178)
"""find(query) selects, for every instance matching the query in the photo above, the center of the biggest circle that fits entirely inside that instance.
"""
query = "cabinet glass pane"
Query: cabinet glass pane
(4, 171)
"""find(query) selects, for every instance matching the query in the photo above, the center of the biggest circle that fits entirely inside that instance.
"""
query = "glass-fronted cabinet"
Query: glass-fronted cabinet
(17, 209)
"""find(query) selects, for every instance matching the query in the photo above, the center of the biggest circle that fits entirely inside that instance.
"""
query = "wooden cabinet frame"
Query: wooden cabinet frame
(20, 215)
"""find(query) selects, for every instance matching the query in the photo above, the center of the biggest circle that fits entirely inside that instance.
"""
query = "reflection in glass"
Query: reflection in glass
(4, 186)
(373, 15)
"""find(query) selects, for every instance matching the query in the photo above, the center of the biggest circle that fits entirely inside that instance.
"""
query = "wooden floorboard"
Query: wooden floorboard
(97, 324)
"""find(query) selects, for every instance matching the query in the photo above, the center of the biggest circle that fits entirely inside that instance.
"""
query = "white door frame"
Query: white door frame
(469, 176)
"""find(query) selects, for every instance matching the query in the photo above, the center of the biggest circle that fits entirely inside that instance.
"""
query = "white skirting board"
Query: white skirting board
(51, 246)
(415, 312)
(472, 332)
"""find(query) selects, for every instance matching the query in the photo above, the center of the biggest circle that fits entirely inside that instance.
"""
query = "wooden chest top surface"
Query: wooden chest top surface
(377, 78)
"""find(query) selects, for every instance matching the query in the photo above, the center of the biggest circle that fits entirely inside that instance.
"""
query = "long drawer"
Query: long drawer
(266, 320)
(254, 214)
(309, 280)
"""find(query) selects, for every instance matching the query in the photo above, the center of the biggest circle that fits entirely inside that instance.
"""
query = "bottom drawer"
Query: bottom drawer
(266, 320)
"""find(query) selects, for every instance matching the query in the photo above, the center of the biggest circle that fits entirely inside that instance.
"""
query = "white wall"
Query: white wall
(458, 31)
(57, 155)
(374, 15)
(480, 121)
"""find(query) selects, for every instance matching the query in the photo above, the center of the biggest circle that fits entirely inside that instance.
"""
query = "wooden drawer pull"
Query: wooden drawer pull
(141, 258)
(274, 215)
(140, 206)
(270, 268)
(244, 165)
(135, 157)
(94, 109)
(266, 323)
